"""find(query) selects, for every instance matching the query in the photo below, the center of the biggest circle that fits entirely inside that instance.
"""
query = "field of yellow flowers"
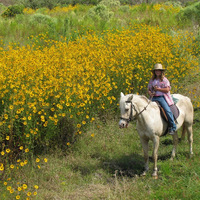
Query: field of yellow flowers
(41, 85)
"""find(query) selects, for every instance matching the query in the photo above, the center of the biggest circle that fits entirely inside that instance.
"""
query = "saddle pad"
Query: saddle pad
(175, 111)
(175, 100)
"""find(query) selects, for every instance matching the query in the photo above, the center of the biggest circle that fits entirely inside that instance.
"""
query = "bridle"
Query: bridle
(131, 113)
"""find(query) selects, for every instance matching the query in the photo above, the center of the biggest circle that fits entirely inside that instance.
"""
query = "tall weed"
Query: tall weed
(190, 14)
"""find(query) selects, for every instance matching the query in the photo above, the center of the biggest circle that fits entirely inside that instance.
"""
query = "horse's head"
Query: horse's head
(126, 108)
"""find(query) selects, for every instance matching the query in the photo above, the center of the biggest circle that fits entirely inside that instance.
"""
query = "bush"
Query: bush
(110, 3)
(2, 7)
(125, 8)
(189, 3)
(191, 12)
(41, 18)
(35, 4)
(100, 11)
(12, 11)
(174, 3)
(45, 22)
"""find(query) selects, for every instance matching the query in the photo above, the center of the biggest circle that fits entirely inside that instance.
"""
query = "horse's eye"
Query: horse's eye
(126, 108)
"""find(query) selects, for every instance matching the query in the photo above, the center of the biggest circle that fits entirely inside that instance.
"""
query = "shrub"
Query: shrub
(42, 10)
(41, 18)
(189, 3)
(46, 23)
(2, 7)
(100, 11)
(34, 4)
(191, 12)
(110, 3)
(12, 11)
(125, 8)
(174, 3)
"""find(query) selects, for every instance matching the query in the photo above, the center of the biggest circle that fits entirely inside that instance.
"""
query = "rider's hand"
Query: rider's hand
(151, 94)
(155, 87)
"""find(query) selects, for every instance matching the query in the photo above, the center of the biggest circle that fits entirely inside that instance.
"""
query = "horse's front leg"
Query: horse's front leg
(156, 142)
(145, 146)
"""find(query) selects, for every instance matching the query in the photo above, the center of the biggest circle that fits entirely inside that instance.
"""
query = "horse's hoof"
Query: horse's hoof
(155, 177)
(171, 159)
(144, 173)
(191, 155)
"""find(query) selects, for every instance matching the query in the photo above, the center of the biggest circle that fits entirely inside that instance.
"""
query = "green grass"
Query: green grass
(21, 27)
(108, 165)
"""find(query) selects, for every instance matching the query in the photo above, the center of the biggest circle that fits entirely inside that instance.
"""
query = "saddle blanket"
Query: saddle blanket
(175, 112)
(174, 109)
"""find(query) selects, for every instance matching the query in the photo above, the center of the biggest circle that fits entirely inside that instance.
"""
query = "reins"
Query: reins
(137, 114)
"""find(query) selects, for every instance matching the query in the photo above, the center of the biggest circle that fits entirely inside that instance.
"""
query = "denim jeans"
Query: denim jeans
(163, 103)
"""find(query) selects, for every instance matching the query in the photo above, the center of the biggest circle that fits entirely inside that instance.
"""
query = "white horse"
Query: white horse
(150, 124)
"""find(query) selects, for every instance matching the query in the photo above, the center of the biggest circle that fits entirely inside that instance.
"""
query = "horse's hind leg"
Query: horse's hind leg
(190, 138)
(175, 142)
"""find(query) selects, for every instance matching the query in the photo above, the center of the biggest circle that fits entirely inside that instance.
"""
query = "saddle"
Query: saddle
(175, 111)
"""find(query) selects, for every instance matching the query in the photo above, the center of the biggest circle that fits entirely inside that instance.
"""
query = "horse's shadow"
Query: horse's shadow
(129, 165)
(123, 165)
(126, 165)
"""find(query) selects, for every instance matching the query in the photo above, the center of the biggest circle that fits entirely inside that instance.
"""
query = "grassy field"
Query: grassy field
(106, 163)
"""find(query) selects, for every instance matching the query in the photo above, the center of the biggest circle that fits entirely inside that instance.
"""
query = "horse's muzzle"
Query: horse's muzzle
(123, 124)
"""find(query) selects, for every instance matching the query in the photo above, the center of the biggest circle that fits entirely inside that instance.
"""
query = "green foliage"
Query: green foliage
(124, 8)
(2, 7)
(100, 11)
(65, 133)
(35, 4)
(189, 3)
(46, 21)
(174, 3)
(110, 3)
(190, 13)
(41, 18)
(42, 10)
(12, 11)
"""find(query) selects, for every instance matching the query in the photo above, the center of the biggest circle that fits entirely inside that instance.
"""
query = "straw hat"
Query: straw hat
(158, 66)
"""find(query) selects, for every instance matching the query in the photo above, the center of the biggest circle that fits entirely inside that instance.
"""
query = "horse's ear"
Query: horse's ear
(122, 94)
(130, 98)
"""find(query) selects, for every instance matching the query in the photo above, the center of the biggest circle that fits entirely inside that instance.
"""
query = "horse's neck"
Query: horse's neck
(141, 102)
(145, 106)
(149, 115)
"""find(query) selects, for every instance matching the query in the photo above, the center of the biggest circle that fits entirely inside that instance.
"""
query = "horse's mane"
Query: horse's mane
(141, 97)
(145, 99)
